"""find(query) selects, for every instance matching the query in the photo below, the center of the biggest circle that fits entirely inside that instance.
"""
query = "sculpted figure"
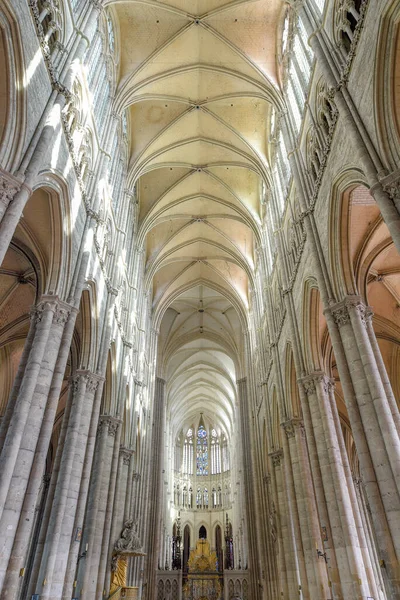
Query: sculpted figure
(129, 540)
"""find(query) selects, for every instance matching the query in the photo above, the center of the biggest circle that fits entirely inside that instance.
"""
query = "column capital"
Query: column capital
(84, 378)
(308, 384)
(276, 457)
(46, 303)
(291, 425)
(341, 311)
(319, 378)
(125, 454)
(50, 302)
(9, 186)
(391, 185)
(110, 423)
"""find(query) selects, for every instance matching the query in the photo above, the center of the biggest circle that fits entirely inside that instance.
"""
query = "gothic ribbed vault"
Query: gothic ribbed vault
(200, 86)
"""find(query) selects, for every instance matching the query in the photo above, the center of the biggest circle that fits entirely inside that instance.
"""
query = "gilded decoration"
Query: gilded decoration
(203, 581)
(128, 544)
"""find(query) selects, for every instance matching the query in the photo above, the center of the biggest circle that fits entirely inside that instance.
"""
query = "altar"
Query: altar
(203, 579)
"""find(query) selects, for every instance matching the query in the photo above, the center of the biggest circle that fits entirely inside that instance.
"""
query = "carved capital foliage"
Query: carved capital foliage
(355, 303)
(46, 304)
(8, 188)
(340, 314)
(92, 384)
(393, 190)
(308, 384)
(62, 313)
(125, 454)
(291, 425)
(322, 380)
(84, 381)
(109, 424)
(276, 458)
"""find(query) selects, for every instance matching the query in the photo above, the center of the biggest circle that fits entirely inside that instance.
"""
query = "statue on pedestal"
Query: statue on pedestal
(129, 540)
(128, 544)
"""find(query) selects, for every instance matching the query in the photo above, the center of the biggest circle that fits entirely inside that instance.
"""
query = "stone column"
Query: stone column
(74, 546)
(118, 517)
(96, 517)
(105, 557)
(6, 419)
(250, 488)
(50, 495)
(43, 315)
(374, 408)
(35, 449)
(308, 510)
(362, 531)
(9, 186)
(293, 524)
(281, 538)
(134, 483)
(376, 468)
(60, 530)
(352, 573)
(156, 487)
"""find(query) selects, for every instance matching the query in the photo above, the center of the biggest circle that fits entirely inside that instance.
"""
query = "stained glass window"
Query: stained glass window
(202, 451)
(111, 37)
(188, 453)
(215, 454)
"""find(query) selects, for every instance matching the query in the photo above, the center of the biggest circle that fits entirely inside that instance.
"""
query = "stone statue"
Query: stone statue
(128, 544)
(129, 541)
(272, 522)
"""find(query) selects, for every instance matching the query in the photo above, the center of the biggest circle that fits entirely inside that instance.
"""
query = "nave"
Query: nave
(199, 299)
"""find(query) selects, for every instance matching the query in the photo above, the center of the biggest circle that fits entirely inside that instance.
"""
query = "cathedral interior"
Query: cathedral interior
(199, 299)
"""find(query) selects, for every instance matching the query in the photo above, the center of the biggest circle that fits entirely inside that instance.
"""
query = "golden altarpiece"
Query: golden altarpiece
(203, 579)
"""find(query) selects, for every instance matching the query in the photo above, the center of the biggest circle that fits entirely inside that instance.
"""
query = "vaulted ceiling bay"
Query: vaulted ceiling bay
(199, 79)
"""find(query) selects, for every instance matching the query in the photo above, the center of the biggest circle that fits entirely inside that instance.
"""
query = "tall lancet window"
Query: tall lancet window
(215, 453)
(188, 453)
(202, 450)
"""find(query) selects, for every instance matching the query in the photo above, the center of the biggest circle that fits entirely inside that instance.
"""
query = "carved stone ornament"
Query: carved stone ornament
(61, 314)
(393, 190)
(308, 385)
(323, 380)
(276, 458)
(273, 523)
(113, 427)
(129, 541)
(8, 189)
(55, 82)
(267, 479)
(126, 456)
(340, 315)
(74, 383)
(356, 303)
(289, 429)
(43, 306)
